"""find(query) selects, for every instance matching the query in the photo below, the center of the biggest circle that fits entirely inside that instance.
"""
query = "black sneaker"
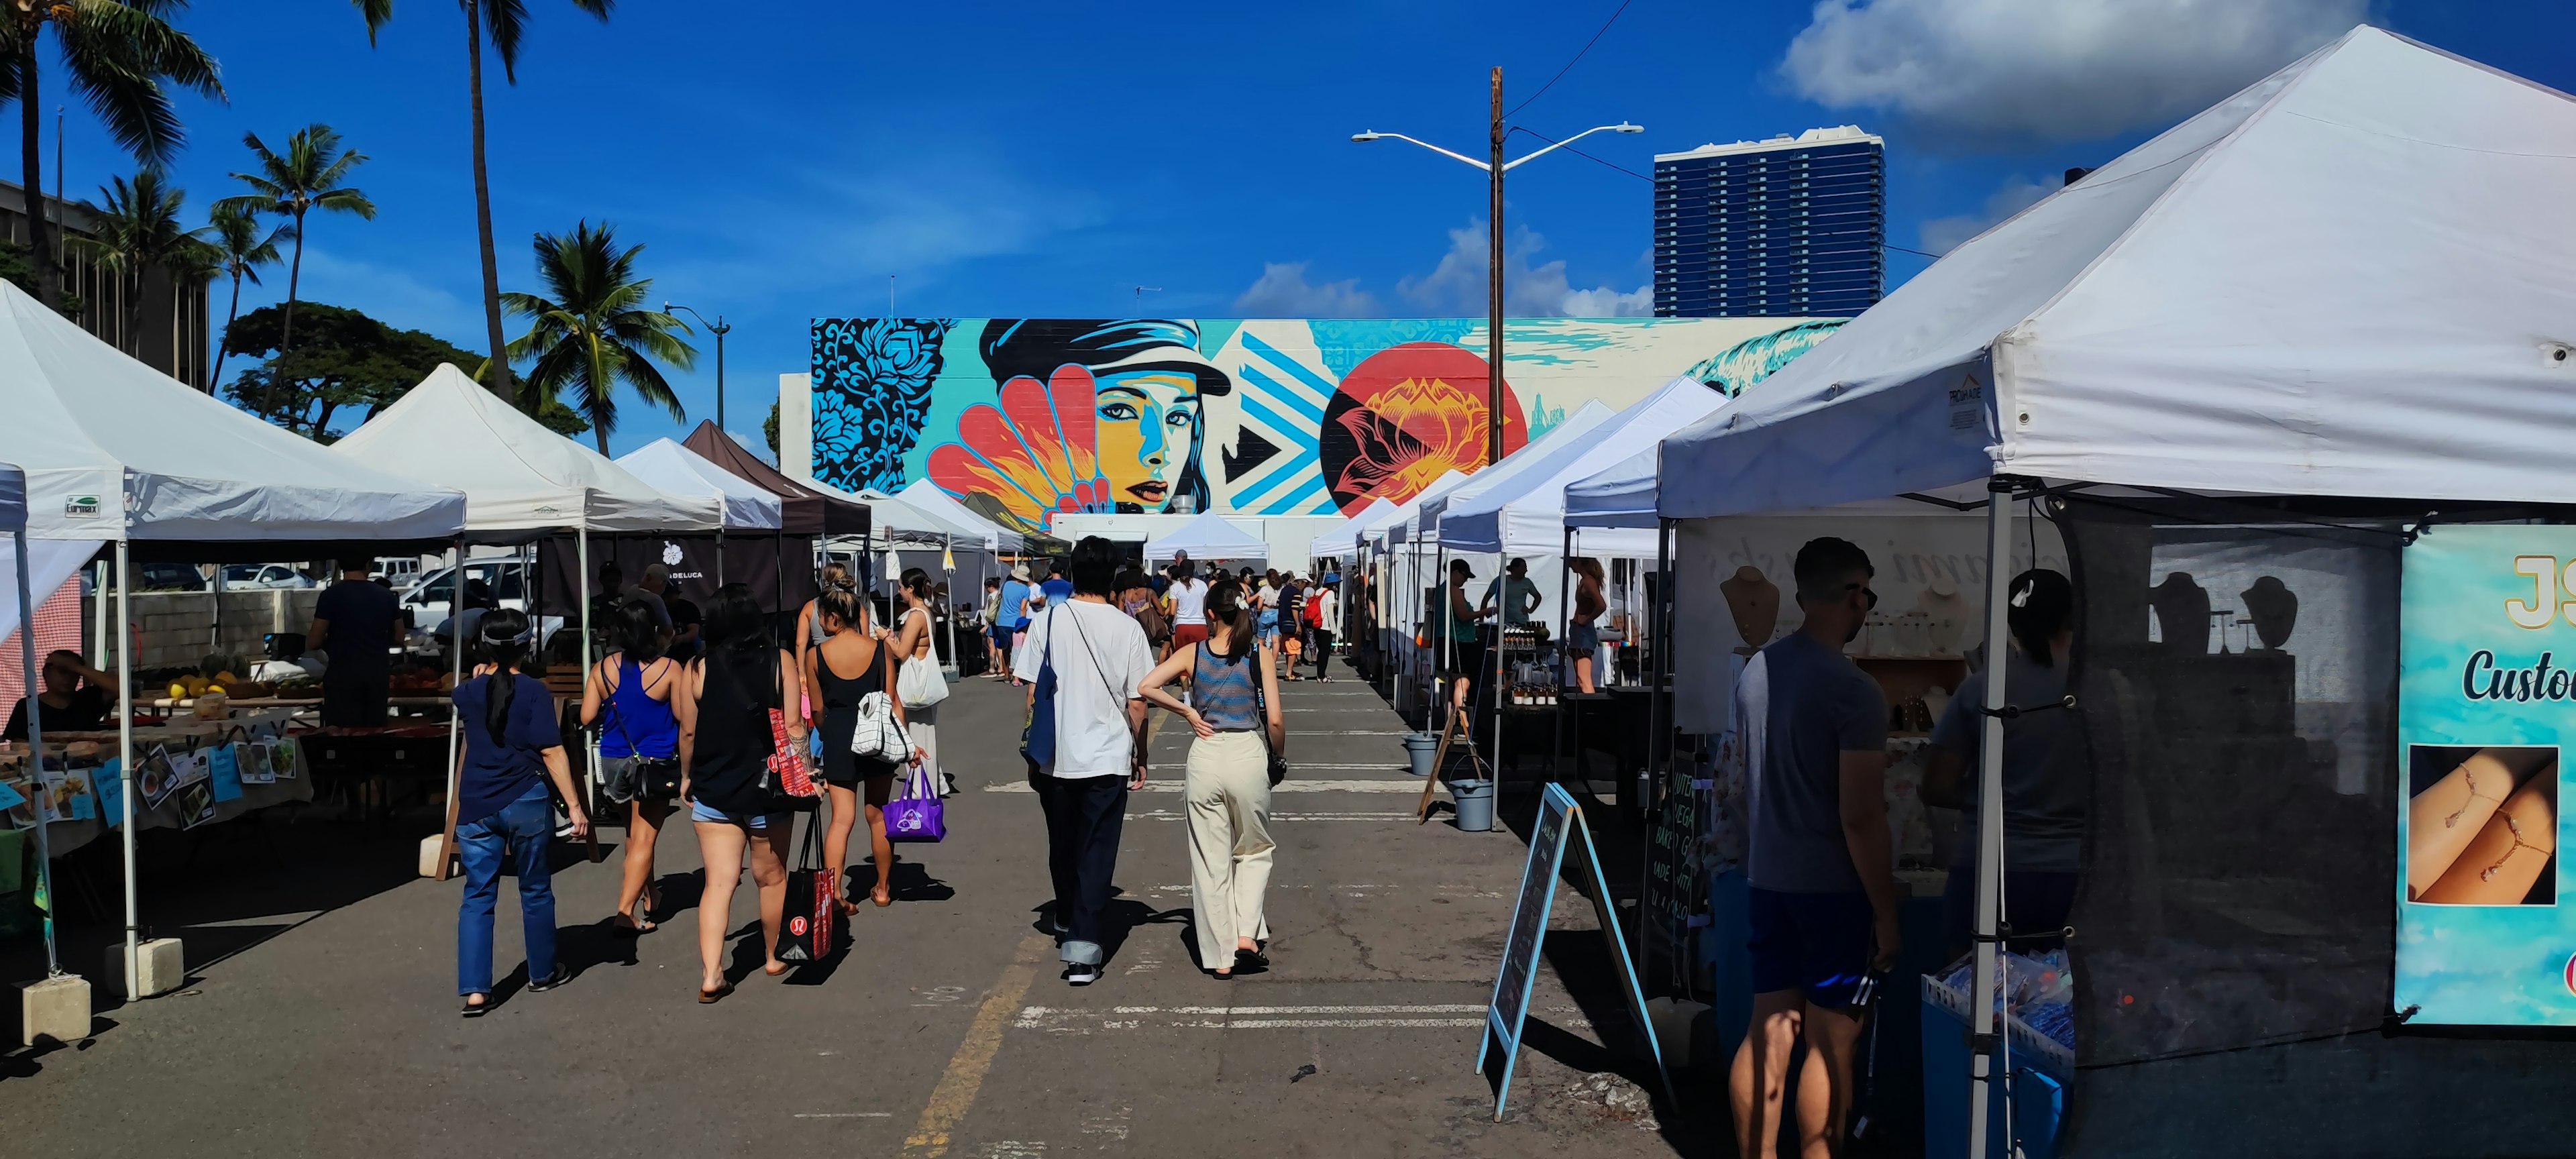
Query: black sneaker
(1081, 975)
(561, 975)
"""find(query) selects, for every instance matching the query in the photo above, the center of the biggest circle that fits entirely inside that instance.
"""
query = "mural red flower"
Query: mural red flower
(1029, 458)
(1407, 415)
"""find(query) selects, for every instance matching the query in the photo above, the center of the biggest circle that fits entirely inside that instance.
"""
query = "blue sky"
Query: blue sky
(1046, 159)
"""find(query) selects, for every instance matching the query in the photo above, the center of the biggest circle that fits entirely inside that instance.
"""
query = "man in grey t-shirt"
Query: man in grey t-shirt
(1821, 913)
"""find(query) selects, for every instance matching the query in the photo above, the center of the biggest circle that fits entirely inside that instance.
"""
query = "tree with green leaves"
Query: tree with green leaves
(592, 332)
(345, 366)
(240, 250)
(138, 231)
(116, 56)
(504, 21)
(312, 174)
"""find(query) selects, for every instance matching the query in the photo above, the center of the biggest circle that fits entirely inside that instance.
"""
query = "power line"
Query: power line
(1586, 156)
(1569, 65)
(1903, 250)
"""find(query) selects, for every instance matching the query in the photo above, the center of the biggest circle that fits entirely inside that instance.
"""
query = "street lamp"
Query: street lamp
(1495, 168)
(719, 329)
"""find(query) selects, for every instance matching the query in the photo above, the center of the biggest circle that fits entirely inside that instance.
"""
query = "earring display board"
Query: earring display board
(2486, 695)
(1560, 827)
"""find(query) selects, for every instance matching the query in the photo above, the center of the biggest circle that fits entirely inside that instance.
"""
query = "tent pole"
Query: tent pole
(36, 748)
(948, 569)
(125, 762)
(456, 677)
(590, 750)
(1659, 697)
(1565, 656)
(1982, 1036)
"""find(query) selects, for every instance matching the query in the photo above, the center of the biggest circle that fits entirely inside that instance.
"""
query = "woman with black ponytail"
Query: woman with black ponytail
(1233, 712)
(513, 747)
(724, 703)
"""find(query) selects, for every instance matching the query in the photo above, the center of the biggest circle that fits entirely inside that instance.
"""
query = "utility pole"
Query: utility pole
(1494, 416)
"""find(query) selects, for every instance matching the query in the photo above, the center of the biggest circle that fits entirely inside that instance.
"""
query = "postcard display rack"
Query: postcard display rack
(190, 773)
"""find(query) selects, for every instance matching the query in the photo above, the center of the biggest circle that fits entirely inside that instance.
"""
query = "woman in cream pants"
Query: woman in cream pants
(1234, 713)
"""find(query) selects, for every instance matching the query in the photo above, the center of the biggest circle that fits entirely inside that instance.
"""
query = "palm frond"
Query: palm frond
(118, 55)
(507, 22)
(376, 13)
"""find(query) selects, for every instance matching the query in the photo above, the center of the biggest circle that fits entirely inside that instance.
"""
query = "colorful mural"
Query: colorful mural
(1021, 419)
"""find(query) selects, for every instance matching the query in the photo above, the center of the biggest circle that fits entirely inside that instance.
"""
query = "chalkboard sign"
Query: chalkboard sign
(1673, 903)
(1560, 821)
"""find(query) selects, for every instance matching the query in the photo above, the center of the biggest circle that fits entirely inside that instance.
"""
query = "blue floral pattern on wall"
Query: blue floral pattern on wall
(872, 382)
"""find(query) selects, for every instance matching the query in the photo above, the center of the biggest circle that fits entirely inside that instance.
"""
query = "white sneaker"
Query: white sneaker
(1081, 975)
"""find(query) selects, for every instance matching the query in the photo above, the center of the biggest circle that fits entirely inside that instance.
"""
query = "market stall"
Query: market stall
(520, 484)
(1341, 541)
(2306, 341)
(115, 452)
(960, 557)
(1209, 538)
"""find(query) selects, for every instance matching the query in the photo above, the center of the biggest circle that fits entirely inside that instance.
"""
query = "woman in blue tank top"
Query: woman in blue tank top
(1227, 785)
(628, 698)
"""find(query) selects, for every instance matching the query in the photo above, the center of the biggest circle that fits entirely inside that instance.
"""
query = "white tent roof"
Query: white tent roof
(670, 467)
(1620, 496)
(926, 497)
(516, 474)
(2348, 279)
(99, 434)
(1526, 514)
(1578, 428)
(1399, 522)
(1343, 539)
(896, 520)
(1209, 536)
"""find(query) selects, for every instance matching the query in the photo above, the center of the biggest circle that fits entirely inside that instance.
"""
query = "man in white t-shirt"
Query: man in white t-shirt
(1099, 656)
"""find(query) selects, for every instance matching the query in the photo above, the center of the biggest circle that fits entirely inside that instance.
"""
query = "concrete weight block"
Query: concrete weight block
(164, 965)
(56, 1008)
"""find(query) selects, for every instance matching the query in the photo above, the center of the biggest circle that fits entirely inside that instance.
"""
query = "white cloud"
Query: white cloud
(1997, 72)
(1458, 284)
(1284, 292)
(1943, 234)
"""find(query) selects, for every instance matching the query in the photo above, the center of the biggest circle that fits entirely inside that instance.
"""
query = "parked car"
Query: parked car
(265, 575)
(168, 577)
(429, 600)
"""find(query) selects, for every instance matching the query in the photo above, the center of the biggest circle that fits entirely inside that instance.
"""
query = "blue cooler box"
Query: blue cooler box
(2041, 1070)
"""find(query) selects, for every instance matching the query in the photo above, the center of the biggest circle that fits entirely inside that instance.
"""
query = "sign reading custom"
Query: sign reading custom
(2486, 700)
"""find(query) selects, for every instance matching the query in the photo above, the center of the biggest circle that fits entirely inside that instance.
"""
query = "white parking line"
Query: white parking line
(1170, 783)
(1391, 1016)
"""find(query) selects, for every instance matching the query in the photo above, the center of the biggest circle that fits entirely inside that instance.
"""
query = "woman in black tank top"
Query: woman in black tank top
(851, 646)
(725, 745)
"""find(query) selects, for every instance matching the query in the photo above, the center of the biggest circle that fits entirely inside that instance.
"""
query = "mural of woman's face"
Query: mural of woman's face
(1148, 433)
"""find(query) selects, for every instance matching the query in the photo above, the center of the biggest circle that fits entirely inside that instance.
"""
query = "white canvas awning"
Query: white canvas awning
(1620, 496)
(1577, 429)
(926, 497)
(1209, 536)
(113, 448)
(1344, 538)
(1399, 523)
(517, 476)
(2349, 279)
(898, 521)
(670, 467)
(1526, 514)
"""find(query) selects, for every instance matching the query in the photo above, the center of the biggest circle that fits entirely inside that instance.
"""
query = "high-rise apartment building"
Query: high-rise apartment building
(1783, 227)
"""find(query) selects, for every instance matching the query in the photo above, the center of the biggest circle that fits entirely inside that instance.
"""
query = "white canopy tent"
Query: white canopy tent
(1578, 429)
(517, 476)
(1342, 540)
(674, 469)
(1524, 514)
(926, 497)
(13, 516)
(2348, 280)
(113, 451)
(1621, 495)
(1209, 536)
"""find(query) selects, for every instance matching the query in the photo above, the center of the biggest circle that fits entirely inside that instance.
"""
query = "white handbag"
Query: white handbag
(879, 734)
(918, 680)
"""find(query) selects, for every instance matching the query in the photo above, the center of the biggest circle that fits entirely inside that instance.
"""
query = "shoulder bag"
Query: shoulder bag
(1278, 762)
(917, 813)
(1037, 733)
(813, 904)
(787, 767)
(918, 680)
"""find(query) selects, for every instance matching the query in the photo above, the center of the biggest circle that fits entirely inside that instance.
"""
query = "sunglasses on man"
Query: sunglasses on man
(1866, 590)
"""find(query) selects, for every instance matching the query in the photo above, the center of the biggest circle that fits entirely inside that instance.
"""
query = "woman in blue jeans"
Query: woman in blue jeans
(512, 748)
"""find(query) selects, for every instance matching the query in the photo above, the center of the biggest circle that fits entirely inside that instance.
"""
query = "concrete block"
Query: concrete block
(55, 1008)
(163, 963)
(429, 855)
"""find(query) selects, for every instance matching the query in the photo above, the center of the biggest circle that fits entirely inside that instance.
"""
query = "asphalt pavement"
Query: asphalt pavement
(320, 1015)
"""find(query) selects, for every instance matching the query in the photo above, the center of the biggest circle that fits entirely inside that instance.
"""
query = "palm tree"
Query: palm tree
(504, 21)
(138, 232)
(592, 333)
(308, 177)
(116, 54)
(239, 251)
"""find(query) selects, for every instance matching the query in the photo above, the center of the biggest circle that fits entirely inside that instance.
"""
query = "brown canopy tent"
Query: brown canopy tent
(809, 510)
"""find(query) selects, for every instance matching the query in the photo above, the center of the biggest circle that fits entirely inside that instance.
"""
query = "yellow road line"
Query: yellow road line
(957, 1088)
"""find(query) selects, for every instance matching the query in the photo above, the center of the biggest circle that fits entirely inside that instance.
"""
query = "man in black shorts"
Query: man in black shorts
(1822, 907)
(353, 621)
